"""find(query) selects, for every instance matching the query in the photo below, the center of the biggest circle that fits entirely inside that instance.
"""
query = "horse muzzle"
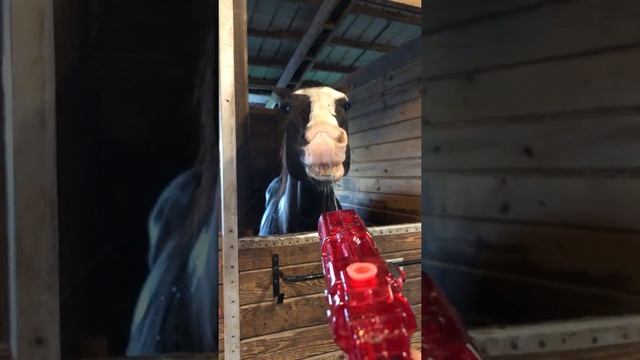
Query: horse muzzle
(325, 154)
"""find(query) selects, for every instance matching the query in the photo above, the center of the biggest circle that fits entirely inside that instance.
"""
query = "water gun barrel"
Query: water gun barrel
(368, 315)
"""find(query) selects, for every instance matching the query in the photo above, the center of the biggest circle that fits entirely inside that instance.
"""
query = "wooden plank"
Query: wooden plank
(295, 36)
(256, 285)
(411, 187)
(412, 3)
(439, 14)
(556, 336)
(577, 27)
(580, 142)
(387, 14)
(473, 293)
(390, 151)
(396, 132)
(230, 23)
(398, 95)
(594, 202)
(396, 203)
(405, 54)
(380, 217)
(301, 311)
(316, 27)
(308, 252)
(572, 256)
(31, 186)
(387, 81)
(616, 352)
(410, 109)
(295, 344)
(574, 85)
(392, 169)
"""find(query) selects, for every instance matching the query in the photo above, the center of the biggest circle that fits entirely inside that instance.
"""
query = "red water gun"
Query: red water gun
(368, 315)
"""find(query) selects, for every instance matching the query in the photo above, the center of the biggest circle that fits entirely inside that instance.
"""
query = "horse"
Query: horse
(177, 309)
(314, 154)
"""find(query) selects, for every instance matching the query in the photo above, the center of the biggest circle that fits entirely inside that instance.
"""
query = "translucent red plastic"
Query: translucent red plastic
(368, 315)
(444, 337)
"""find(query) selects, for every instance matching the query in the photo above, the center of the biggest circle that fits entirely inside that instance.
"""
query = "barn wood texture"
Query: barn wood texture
(233, 110)
(30, 148)
(297, 328)
(383, 183)
(530, 182)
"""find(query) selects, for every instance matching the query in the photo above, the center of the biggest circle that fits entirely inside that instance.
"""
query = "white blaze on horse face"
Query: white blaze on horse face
(327, 141)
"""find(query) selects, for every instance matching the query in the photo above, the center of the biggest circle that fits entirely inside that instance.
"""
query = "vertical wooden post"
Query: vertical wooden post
(31, 189)
(230, 93)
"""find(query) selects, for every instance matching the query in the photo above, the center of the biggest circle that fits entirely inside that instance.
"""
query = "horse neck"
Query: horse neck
(304, 202)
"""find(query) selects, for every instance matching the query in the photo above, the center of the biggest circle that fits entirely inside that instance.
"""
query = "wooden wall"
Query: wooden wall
(297, 328)
(531, 136)
(384, 128)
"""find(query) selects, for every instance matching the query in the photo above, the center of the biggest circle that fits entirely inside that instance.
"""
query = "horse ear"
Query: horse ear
(283, 93)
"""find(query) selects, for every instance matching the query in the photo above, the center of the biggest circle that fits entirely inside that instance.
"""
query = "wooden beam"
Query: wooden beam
(338, 15)
(386, 9)
(316, 28)
(410, 3)
(229, 26)
(405, 54)
(320, 67)
(31, 186)
(296, 36)
(261, 84)
(380, 12)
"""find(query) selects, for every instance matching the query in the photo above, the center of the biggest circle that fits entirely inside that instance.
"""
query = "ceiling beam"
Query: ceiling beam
(386, 10)
(380, 12)
(261, 84)
(282, 64)
(411, 3)
(296, 36)
(317, 27)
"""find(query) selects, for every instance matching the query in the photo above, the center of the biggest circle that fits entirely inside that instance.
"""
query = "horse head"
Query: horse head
(316, 143)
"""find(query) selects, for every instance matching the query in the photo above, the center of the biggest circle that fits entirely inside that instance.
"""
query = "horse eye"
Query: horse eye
(346, 106)
(286, 108)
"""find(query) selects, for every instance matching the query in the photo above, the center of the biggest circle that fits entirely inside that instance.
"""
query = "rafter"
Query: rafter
(282, 64)
(384, 11)
(296, 36)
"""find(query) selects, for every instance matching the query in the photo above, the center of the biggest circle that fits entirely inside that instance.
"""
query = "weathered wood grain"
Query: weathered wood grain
(617, 352)
(260, 258)
(409, 186)
(256, 285)
(397, 203)
(589, 83)
(29, 148)
(386, 82)
(298, 312)
(386, 169)
(399, 94)
(558, 29)
(389, 151)
(294, 344)
(578, 142)
(376, 217)
(604, 259)
(393, 133)
(561, 200)
(410, 109)
(503, 298)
